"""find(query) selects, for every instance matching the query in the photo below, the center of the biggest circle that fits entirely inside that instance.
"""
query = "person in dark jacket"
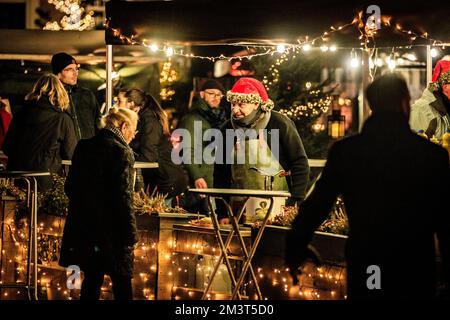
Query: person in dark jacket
(275, 146)
(152, 144)
(100, 229)
(206, 113)
(394, 185)
(84, 107)
(42, 133)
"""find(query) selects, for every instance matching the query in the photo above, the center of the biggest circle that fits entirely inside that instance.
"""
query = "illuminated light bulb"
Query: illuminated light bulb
(169, 52)
(324, 48)
(391, 64)
(434, 53)
(379, 62)
(333, 48)
(354, 62)
(153, 47)
(306, 47)
(281, 48)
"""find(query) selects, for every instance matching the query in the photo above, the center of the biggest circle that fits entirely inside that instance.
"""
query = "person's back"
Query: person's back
(40, 135)
(393, 183)
(100, 229)
(91, 186)
(390, 182)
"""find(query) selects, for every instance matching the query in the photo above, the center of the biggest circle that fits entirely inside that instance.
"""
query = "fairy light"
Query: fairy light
(434, 52)
(73, 19)
(307, 47)
(281, 48)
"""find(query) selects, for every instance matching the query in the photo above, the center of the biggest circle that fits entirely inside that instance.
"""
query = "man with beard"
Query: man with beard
(431, 112)
(84, 108)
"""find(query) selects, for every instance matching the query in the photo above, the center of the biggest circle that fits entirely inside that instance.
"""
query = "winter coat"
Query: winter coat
(151, 145)
(394, 185)
(100, 228)
(200, 111)
(430, 114)
(292, 156)
(84, 110)
(39, 137)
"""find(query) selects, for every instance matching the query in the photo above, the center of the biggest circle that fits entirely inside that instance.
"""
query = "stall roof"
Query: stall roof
(206, 22)
(86, 46)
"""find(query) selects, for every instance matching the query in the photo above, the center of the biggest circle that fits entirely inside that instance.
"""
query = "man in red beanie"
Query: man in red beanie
(251, 113)
(431, 112)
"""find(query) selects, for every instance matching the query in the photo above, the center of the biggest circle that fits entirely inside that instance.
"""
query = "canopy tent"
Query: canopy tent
(206, 23)
(199, 23)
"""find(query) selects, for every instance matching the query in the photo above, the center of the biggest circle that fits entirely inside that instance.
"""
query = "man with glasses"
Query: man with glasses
(206, 113)
(84, 108)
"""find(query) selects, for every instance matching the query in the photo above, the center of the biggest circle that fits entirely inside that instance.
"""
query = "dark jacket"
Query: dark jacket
(39, 137)
(100, 228)
(394, 185)
(292, 156)
(84, 110)
(200, 111)
(151, 145)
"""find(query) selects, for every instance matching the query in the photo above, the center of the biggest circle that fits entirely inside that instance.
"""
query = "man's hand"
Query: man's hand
(201, 183)
(295, 258)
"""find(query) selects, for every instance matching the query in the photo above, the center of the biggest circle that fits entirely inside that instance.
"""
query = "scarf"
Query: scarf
(256, 120)
(116, 131)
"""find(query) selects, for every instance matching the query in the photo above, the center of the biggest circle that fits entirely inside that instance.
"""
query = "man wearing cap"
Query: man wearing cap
(207, 113)
(431, 112)
(84, 108)
(268, 138)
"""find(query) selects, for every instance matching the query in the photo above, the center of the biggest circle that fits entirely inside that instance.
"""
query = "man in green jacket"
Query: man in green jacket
(206, 113)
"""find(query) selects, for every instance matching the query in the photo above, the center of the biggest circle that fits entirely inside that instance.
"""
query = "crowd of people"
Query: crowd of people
(392, 181)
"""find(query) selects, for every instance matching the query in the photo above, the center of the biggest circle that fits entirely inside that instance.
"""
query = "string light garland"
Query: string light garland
(367, 35)
(310, 109)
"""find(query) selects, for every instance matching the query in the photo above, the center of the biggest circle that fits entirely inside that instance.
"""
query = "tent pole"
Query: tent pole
(364, 110)
(109, 70)
(429, 64)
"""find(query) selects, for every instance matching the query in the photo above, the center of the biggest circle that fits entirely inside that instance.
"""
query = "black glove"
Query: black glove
(295, 258)
(292, 201)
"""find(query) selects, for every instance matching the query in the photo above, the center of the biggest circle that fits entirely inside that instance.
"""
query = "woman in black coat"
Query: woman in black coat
(100, 229)
(42, 134)
(152, 145)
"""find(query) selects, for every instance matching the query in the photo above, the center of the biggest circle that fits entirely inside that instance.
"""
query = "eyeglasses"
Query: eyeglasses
(215, 95)
(72, 69)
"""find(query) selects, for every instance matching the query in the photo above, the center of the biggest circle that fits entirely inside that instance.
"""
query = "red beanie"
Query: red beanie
(249, 90)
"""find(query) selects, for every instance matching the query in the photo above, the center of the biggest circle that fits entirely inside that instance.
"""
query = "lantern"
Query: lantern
(336, 124)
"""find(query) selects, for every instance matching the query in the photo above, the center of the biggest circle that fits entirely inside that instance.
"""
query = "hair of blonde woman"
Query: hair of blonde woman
(118, 116)
(51, 87)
